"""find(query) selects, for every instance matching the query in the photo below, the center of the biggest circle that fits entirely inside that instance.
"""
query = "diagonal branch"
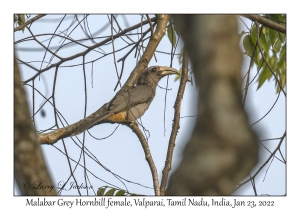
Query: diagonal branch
(265, 163)
(134, 127)
(28, 22)
(266, 22)
(89, 49)
(176, 125)
(54, 136)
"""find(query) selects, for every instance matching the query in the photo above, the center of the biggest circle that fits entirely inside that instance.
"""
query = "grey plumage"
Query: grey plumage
(131, 104)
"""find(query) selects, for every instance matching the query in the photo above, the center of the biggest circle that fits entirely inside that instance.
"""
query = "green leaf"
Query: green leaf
(181, 56)
(178, 76)
(273, 36)
(282, 81)
(263, 76)
(281, 65)
(265, 30)
(260, 63)
(253, 33)
(171, 34)
(283, 52)
(248, 45)
(21, 20)
(274, 61)
(110, 192)
(264, 42)
(277, 46)
(281, 36)
(120, 193)
(273, 45)
(101, 191)
(241, 34)
(282, 18)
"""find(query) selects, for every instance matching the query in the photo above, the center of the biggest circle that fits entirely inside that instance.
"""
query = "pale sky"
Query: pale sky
(122, 152)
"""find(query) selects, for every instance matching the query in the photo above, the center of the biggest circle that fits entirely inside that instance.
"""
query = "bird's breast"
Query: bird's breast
(137, 111)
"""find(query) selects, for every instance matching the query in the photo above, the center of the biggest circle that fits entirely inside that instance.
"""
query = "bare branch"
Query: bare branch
(162, 20)
(90, 49)
(176, 125)
(265, 163)
(151, 26)
(134, 127)
(160, 31)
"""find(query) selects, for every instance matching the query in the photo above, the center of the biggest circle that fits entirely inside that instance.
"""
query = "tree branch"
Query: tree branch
(134, 127)
(87, 50)
(265, 163)
(176, 125)
(28, 22)
(266, 22)
(160, 31)
(54, 136)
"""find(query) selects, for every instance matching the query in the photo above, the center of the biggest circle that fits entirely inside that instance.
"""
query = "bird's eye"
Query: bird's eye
(153, 69)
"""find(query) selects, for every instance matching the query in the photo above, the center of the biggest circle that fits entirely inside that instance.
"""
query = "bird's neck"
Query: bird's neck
(150, 84)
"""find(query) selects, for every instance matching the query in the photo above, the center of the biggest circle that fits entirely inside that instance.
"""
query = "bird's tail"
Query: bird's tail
(90, 123)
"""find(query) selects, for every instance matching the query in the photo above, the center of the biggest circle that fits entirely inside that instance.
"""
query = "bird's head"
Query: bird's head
(153, 74)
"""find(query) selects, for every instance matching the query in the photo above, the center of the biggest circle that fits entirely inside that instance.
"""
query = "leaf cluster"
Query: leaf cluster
(272, 53)
(173, 35)
(109, 191)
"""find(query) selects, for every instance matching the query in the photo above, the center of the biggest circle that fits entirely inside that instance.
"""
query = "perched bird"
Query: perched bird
(129, 105)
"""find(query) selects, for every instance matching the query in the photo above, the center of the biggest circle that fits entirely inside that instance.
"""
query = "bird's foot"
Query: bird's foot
(133, 123)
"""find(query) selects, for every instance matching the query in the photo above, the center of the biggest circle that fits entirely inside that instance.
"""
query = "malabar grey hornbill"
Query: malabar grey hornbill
(129, 105)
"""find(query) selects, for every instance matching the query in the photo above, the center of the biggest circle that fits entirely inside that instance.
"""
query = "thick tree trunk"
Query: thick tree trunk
(223, 148)
(29, 167)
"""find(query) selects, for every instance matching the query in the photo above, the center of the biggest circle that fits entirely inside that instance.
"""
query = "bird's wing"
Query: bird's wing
(124, 100)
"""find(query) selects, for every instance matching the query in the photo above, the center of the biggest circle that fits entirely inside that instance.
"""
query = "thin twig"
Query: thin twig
(176, 126)
(149, 159)
(87, 50)
(114, 53)
(86, 150)
(253, 185)
(267, 112)
(265, 163)
(151, 26)
(54, 136)
(248, 73)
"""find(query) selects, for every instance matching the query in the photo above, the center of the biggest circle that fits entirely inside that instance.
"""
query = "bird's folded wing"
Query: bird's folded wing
(124, 100)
